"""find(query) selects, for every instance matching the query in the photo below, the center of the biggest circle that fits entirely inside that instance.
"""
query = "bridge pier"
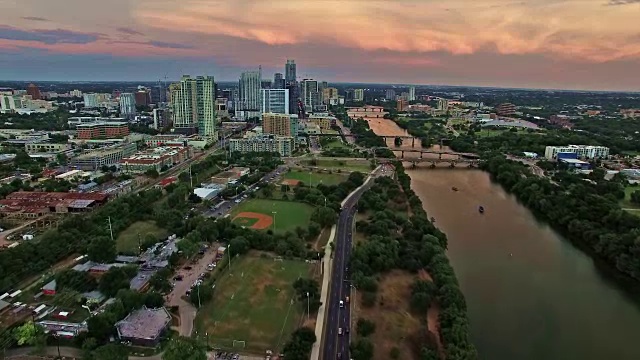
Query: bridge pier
(402, 154)
(421, 155)
(440, 156)
(413, 142)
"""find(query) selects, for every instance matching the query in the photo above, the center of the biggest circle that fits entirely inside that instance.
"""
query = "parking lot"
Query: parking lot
(189, 273)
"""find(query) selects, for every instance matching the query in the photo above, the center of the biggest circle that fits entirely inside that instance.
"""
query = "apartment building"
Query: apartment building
(284, 145)
(582, 151)
(102, 130)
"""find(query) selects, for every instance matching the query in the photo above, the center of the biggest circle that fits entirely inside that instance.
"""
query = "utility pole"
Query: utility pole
(139, 245)
(229, 250)
(190, 177)
(308, 306)
(199, 304)
(110, 228)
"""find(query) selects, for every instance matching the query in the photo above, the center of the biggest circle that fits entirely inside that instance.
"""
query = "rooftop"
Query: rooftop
(144, 324)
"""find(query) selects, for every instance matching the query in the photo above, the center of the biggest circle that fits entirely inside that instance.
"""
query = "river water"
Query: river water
(531, 294)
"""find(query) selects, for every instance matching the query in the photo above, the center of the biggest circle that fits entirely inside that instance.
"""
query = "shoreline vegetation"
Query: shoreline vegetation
(401, 238)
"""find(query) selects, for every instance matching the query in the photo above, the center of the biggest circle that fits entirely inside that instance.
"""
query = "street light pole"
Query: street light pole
(229, 249)
(274, 220)
(58, 344)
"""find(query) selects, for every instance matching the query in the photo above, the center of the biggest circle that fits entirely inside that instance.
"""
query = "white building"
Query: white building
(275, 101)
(10, 103)
(583, 151)
(412, 93)
(127, 105)
(358, 94)
(249, 91)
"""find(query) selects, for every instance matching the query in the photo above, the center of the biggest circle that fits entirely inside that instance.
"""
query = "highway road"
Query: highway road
(335, 345)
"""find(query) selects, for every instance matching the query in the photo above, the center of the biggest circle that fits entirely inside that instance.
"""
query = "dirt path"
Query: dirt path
(433, 322)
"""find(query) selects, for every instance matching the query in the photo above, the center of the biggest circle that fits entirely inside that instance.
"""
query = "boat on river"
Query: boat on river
(433, 219)
(481, 209)
(454, 188)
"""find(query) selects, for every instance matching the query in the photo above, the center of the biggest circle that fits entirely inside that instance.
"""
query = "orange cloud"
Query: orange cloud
(583, 30)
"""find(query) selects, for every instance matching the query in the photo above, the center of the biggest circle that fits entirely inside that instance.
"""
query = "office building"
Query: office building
(127, 105)
(280, 124)
(390, 94)
(222, 108)
(275, 101)
(294, 96)
(278, 81)
(506, 109)
(160, 118)
(102, 130)
(94, 160)
(290, 72)
(10, 103)
(402, 105)
(193, 104)
(582, 151)
(310, 94)
(249, 103)
(284, 145)
(412, 93)
(33, 90)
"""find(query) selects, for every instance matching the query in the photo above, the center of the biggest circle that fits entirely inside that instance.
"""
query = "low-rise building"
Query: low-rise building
(78, 120)
(44, 147)
(582, 151)
(167, 140)
(284, 145)
(230, 175)
(102, 130)
(156, 159)
(94, 160)
(144, 327)
(325, 122)
(32, 204)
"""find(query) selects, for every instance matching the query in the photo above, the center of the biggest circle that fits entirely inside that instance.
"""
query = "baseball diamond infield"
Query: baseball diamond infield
(254, 220)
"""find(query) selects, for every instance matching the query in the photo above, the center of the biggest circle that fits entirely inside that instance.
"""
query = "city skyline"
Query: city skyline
(555, 44)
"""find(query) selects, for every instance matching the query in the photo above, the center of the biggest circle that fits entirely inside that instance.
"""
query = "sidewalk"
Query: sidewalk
(324, 294)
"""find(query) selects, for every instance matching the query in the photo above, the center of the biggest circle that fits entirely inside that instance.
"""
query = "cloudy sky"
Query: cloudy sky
(571, 44)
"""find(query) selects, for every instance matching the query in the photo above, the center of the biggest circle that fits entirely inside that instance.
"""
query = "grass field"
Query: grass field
(127, 241)
(253, 303)
(288, 215)
(314, 178)
(349, 165)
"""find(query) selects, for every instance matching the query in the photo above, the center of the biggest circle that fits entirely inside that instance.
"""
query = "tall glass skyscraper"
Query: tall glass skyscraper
(290, 72)
(127, 105)
(275, 101)
(194, 105)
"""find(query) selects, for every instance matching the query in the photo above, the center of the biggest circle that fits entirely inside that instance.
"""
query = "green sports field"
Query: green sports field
(289, 214)
(254, 303)
(314, 178)
(127, 241)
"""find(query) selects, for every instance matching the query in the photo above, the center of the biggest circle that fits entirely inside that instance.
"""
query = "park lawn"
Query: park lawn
(314, 178)
(289, 214)
(254, 303)
(127, 241)
(335, 144)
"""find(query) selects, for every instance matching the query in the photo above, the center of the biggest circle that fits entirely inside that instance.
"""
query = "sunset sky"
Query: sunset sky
(571, 44)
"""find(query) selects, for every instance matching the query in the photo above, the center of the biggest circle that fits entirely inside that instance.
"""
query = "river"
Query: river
(530, 293)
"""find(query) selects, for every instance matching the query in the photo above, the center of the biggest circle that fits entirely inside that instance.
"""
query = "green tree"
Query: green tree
(184, 348)
(325, 216)
(394, 353)
(102, 250)
(111, 352)
(635, 197)
(152, 173)
(200, 295)
(29, 333)
(239, 245)
(365, 327)
(362, 349)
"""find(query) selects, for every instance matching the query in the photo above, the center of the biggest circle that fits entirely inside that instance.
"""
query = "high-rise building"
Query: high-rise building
(193, 103)
(159, 118)
(90, 100)
(290, 72)
(443, 104)
(358, 95)
(33, 90)
(310, 94)
(266, 84)
(294, 96)
(275, 101)
(143, 97)
(402, 105)
(280, 124)
(249, 102)
(412, 93)
(390, 94)
(127, 105)
(278, 81)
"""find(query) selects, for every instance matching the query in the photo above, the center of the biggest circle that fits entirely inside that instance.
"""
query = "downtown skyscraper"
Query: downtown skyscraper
(290, 72)
(193, 102)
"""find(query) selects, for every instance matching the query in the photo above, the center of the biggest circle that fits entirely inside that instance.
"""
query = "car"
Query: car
(341, 303)
(188, 268)
(340, 331)
(339, 355)
(178, 278)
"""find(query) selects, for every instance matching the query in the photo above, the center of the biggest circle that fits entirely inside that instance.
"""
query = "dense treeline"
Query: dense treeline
(586, 211)
(428, 135)
(368, 139)
(412, 244)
